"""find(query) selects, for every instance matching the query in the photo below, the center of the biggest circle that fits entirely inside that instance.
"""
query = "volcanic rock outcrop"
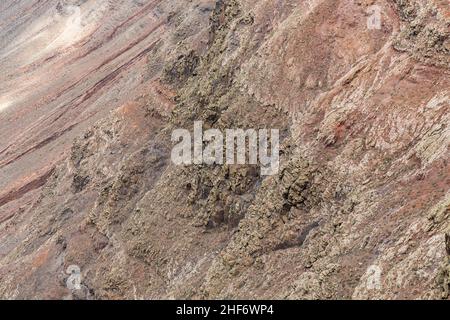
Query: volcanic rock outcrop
(90, 92)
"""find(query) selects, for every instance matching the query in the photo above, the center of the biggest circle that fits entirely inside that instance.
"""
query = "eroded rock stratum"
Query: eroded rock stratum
(91, 91)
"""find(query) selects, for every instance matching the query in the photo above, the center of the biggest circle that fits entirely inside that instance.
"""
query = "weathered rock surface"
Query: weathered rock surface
(91, 91)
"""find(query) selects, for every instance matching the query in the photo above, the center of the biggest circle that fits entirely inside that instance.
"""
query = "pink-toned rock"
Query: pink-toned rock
(89, 97)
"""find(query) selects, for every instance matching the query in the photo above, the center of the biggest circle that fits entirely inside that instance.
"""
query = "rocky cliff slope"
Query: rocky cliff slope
(91, 91)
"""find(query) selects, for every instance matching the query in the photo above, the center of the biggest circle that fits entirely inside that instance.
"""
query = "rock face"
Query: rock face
(91, 91)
